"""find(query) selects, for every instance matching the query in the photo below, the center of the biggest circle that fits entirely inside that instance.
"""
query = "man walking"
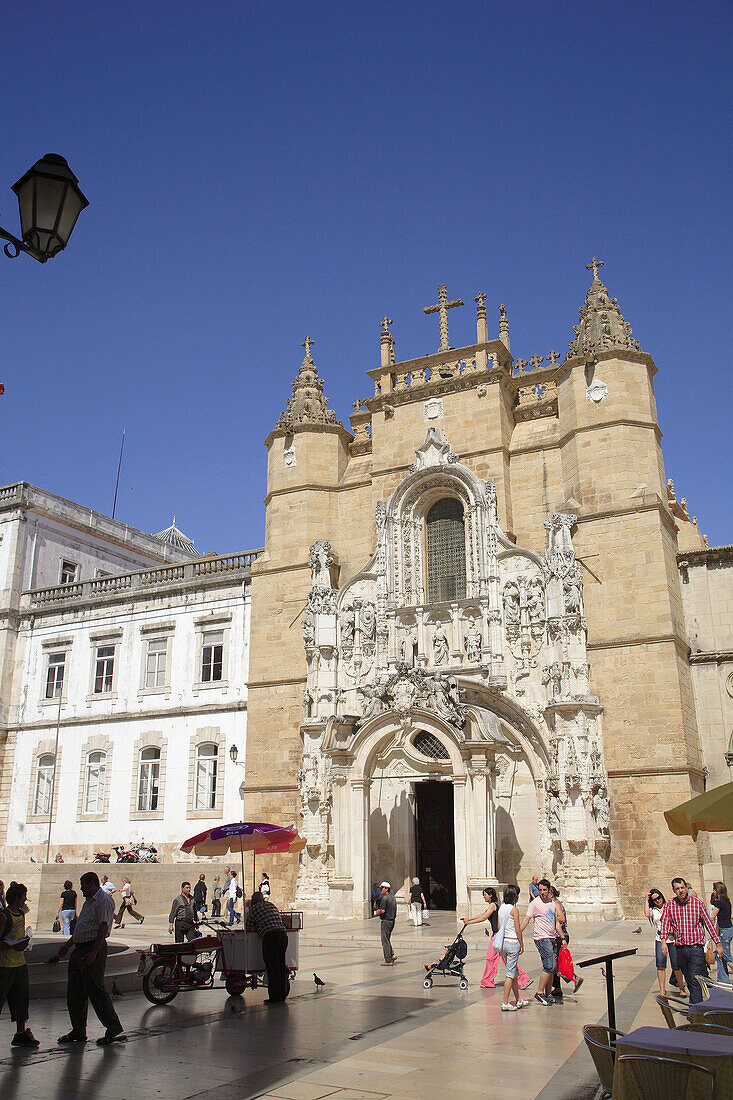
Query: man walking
(14, 985)
(534, 890)
(199, 895)
(543, 912)
(182, 917)
(85, 981)
(234, 893)
(216, 897)
(107, 886)
(684, 916)
(387, 913)
(127, 901)
(264, 918)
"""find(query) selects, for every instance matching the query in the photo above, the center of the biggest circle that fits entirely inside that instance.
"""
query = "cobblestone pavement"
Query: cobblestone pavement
(370, 1033)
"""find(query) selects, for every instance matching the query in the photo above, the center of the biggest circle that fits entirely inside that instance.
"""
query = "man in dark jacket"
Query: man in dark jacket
(387, 912)
(182, 916)
(264, 918)
(199, 895)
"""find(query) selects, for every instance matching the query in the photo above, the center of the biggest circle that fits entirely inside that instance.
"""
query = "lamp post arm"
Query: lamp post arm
(14, 247)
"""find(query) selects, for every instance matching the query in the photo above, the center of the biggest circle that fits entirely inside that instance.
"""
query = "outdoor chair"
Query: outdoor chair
(706, 984)
(670, 1005)
(601, 1043)
(711, 1029)
(646, 1077)
(718, 1016)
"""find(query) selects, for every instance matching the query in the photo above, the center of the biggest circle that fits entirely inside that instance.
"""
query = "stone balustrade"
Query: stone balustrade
(124, 583)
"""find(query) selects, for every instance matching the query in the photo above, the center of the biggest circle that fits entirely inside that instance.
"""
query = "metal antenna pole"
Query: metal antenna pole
(119, 467)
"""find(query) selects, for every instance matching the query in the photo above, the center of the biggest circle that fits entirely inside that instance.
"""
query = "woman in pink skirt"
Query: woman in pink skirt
(493, 957)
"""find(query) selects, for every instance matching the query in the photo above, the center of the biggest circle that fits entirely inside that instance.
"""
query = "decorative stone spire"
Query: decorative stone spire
(602, 326)
(307, 405)
(503, 327)
(387, 352)
(482, 330)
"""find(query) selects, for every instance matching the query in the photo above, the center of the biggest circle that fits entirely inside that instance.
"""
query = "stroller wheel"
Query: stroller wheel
(463, 984)
(428, 983)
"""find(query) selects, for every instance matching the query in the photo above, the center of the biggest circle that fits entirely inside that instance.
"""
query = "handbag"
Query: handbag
(498, 941)
(709, 953)
(565, 966)
(56, 927)
(426, 916)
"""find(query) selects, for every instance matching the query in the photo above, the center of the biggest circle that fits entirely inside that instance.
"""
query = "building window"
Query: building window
(69, 572)
(94, 782)
(212, 656)
(445, 539)
(156, 663)
(148, 787)
(55, 675)
(207, 761)
(104, 669)
(44, 785)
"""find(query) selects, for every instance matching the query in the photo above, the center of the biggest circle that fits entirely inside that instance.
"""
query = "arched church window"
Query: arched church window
(445, 538)
(431, 746)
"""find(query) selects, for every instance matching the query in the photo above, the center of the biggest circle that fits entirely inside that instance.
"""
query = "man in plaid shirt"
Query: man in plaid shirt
(684, 915)
(263, 917)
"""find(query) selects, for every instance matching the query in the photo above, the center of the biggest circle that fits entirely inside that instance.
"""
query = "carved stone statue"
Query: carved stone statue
(602, 810)
(440, 646)
(572, 588)
(307, 703)
(472, 643)
(346, 622)
(553, 817)
(320, 563)
(408, 650)
(511, 605)
(559, 555)
(552, 677)
(309, 629)
(368, 621)
(536, 602)
(371, 701)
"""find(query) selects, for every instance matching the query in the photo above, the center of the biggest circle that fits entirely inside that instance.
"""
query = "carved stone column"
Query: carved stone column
(359, 790)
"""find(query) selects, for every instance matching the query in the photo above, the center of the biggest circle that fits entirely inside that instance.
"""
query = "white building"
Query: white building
(134, 650)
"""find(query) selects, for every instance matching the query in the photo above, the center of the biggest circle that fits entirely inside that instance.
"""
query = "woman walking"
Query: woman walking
(491, 914)
(566, 967)
(216, 897)
(67, 907)
(720, 911)
(653, 911)
(511, 947)
(417, 902)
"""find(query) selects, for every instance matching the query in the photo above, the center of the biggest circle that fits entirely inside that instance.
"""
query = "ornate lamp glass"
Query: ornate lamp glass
(50, 201)
(233, 754)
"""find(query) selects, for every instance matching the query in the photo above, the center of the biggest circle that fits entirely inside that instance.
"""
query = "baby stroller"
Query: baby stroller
(451, 964)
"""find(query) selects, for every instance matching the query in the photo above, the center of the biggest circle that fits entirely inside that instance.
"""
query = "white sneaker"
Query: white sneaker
(522, 1004)
(509, 1008)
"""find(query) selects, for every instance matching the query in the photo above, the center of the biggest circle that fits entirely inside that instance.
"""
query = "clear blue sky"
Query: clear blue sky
(259, 171)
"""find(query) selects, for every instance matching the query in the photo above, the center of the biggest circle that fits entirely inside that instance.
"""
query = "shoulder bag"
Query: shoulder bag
(498, 941)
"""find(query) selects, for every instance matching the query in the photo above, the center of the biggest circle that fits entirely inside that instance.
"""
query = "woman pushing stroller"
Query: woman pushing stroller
(491, 914)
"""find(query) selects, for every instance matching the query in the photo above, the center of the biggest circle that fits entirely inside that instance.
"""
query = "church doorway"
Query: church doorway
(435, 842)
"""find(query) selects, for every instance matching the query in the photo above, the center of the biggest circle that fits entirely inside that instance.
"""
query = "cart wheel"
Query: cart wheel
(154, 983)
(428, 983)
(235, 989)
(463, 984)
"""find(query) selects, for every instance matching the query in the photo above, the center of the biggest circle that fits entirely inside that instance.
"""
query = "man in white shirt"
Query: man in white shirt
(86, 966)
(233, 890)
(107, 886)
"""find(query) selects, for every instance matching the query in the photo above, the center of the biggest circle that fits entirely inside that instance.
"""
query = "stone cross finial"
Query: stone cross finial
(308, 344)
(519, 365)
(553, 357)
(385, 323)
(536, 360)
(442, 309)
(480, 299)
(593, 266)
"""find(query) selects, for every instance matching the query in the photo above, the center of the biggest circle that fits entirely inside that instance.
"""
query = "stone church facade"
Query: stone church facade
(483, 640)
(467, 623)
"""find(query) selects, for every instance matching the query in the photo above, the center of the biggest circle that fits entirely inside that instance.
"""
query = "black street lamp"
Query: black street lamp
(50, 201)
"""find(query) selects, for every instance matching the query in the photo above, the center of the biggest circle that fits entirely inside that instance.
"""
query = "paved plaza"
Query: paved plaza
(372, 1032)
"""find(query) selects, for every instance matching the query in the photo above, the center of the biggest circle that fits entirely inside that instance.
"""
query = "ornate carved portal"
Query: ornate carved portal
(499, 676)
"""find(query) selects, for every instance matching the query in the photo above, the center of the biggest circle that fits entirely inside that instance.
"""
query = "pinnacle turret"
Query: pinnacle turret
(602, 326)
(307, 404)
